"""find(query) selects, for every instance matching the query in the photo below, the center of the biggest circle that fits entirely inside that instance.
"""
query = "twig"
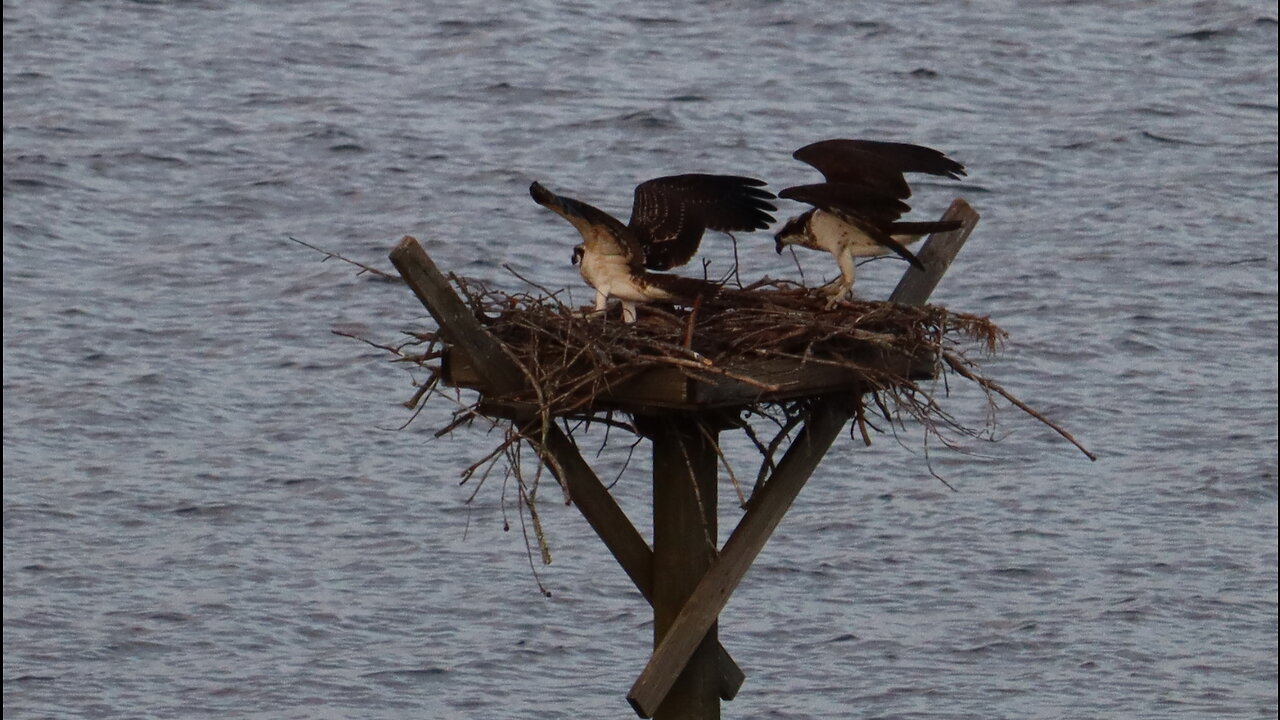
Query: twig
(548, 293)
(993, 386)
(693, 317)
(728, 467)
(391, 349)
(363, 268)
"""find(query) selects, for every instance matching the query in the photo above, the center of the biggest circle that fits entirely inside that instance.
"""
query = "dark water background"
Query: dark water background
(208, 511)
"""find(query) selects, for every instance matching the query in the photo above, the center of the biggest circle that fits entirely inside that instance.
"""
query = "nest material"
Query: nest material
(572, 358)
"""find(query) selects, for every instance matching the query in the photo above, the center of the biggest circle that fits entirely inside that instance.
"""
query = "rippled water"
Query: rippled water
(209, 511)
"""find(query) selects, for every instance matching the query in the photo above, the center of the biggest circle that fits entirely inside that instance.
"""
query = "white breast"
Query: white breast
(611, 275)
(832, 234)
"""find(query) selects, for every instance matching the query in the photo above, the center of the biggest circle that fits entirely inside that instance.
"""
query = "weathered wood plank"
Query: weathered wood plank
(826, 420)
(662, 389)
(796, 378)
(684, 543)
(458, 324)
(498, 372)
(936, 255)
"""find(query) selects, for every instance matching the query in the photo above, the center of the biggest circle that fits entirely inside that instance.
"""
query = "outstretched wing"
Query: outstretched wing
(601, 232)
(670, 214)
(875, 164)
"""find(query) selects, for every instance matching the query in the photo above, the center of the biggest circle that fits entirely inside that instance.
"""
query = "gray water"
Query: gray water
(210, 511)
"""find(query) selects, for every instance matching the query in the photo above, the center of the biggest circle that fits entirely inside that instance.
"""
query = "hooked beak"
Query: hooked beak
(793, 231)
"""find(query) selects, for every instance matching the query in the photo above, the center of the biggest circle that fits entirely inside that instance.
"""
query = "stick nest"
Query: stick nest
(571, 359)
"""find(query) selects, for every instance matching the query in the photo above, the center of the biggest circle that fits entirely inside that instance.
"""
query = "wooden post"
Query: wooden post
(826, 420)
(684, 544)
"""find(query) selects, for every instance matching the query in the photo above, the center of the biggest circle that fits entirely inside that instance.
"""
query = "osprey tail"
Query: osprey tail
(683, 289)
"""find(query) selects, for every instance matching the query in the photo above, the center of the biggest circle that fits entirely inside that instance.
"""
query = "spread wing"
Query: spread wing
(601, 232)
(670, 214)
(877, 165)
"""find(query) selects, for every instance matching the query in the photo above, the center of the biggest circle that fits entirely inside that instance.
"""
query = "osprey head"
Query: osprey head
(792, 232)
(578, 252)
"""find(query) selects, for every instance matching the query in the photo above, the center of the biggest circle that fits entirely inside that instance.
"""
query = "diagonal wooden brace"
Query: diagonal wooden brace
(502, 376)
(825, 422)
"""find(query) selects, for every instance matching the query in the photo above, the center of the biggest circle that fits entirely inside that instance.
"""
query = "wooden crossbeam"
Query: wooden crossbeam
(502, 376)
(825, 422)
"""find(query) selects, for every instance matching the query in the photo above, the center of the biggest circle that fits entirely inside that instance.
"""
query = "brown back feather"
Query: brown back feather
(875, 164)
(670, 214)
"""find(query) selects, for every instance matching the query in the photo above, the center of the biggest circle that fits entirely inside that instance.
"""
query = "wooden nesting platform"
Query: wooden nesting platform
(661, 390)
(687, 580)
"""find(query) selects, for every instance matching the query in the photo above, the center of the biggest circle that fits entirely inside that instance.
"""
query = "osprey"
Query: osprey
(668, 217)
(855, 212)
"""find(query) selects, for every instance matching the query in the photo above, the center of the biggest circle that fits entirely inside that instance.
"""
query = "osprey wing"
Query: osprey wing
(875, 164)
(873, 205)
(670, 214)
(600, 231)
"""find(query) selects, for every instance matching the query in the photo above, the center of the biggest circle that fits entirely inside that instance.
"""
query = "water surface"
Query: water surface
(209, 510)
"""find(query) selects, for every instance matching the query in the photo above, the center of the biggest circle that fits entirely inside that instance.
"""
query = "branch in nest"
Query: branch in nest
(391, 349)
(960, 369)
(363, 268)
